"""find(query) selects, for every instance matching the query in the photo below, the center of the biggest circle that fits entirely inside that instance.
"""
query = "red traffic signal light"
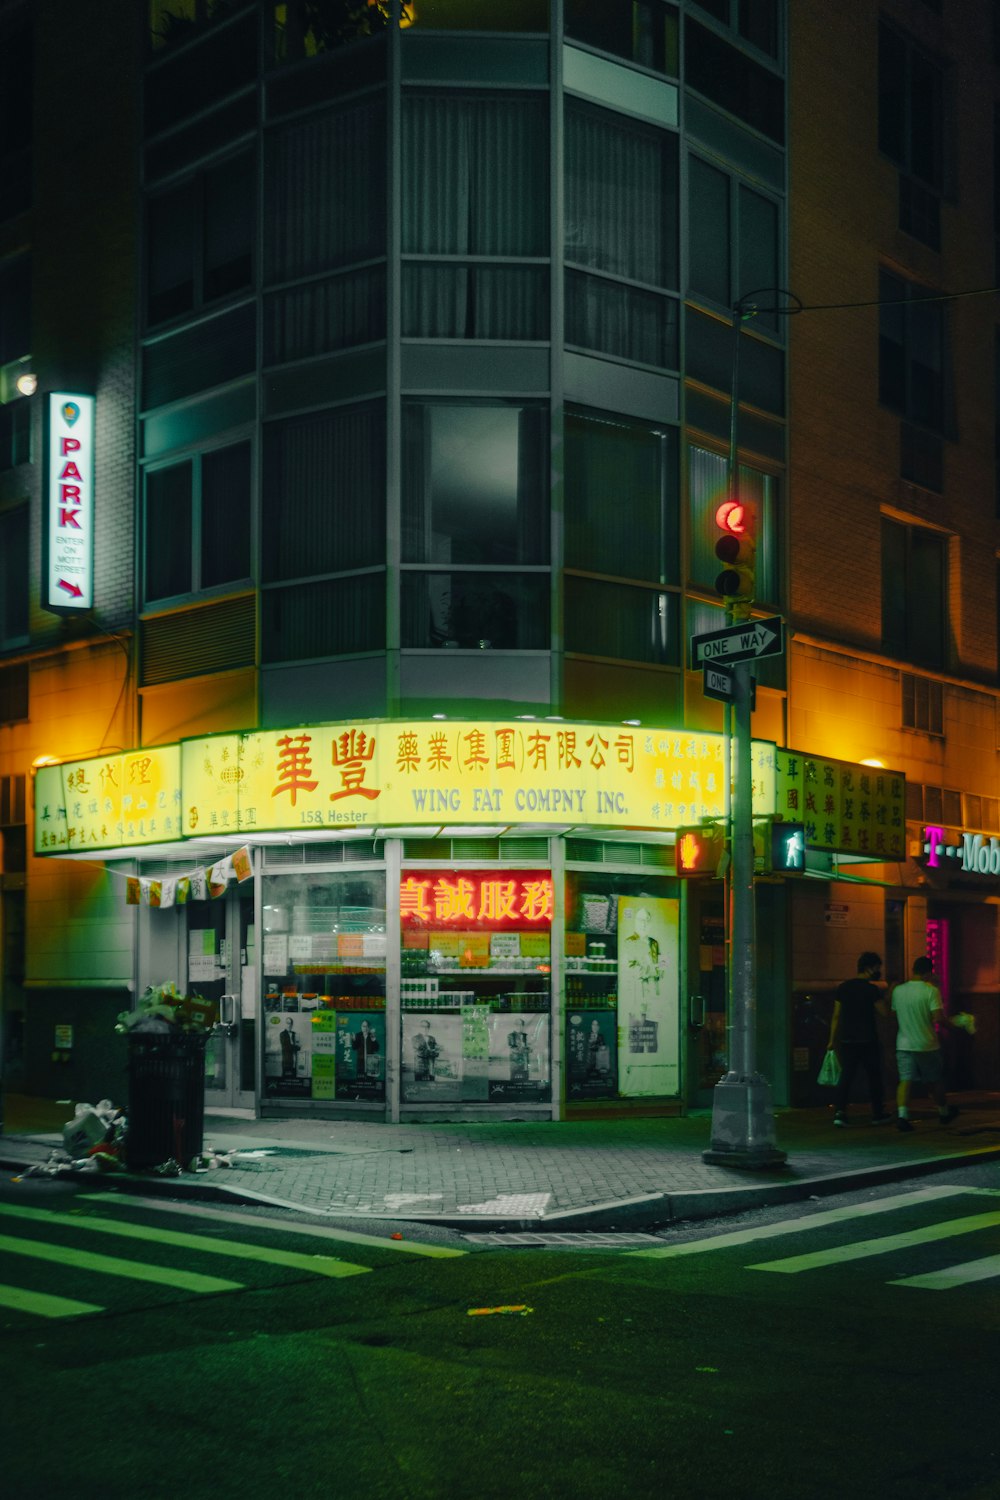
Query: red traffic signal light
(737, 549)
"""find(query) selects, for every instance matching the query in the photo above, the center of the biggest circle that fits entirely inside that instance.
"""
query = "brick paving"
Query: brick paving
(624, 1173)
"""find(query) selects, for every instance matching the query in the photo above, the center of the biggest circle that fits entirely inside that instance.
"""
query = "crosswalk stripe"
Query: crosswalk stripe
(317, 1265)
(318, 1231)
(857, 1251)
(951, 1276)
(44, 1304)
(107, 1265)
(795, 1226)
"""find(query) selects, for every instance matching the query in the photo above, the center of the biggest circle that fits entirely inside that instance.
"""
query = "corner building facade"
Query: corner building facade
(434, 371)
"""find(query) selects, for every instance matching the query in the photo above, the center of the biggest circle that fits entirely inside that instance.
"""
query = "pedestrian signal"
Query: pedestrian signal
(736, 548)
(788, 848)
(698, 851)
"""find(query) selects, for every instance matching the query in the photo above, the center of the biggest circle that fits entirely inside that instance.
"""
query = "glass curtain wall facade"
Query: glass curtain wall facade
(435, 372)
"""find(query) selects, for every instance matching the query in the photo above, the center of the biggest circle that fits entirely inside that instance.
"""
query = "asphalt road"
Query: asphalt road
(846, 1347)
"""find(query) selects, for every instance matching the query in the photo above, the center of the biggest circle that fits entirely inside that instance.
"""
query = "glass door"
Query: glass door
(221, 967)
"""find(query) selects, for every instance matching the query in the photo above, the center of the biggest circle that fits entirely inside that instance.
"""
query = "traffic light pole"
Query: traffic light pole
(743, 1132)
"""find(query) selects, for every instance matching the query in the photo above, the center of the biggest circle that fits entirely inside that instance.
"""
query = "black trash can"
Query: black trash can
(166, 1098)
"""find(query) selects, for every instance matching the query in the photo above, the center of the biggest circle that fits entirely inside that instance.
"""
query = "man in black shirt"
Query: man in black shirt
(854, 1037)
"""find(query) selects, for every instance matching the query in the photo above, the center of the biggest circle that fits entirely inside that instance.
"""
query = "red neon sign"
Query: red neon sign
(482, 900)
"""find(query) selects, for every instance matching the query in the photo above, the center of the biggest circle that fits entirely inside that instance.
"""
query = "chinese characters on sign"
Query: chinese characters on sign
(844, 807)
(111, 802)
(480, 900)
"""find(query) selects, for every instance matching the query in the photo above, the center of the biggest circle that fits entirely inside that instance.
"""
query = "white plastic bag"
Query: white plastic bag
(829, 1073)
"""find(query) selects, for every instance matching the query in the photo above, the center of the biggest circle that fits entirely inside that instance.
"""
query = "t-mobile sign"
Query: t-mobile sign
(68, 579)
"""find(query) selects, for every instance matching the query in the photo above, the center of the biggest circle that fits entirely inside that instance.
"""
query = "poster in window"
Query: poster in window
(360, 1055)
(648, 1035)
(287, 1056)
(519, 1056)
(432, 1056)
(592, 1054)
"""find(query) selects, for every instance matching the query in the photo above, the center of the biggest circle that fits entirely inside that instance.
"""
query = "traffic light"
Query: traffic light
(736, 548)
(698, 851)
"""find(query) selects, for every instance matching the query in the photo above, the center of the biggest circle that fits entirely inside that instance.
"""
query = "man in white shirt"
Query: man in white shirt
(917, 1007)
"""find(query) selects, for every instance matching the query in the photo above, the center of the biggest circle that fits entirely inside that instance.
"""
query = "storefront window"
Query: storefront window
(622, 992)
(323, 958)
(475, 987)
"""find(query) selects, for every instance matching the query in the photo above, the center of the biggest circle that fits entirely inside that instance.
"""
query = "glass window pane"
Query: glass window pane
(328, 470)
(171, 234)
(474, 484)
(708, 231)
(168, 532)
(484, 611)
(14, 575)
(230, 197)
(478, 15)
(225, 515)
(336, 618)
(621, 196)
(644, 31)
(758, 255)
(15, 310)
(619, 622)
(475, 302)
(619, 481)
(475, 174)
(326, 185)
(759, 24)
(621, 320)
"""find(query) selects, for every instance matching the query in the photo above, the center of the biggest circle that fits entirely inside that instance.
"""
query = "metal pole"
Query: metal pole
(742, 1110)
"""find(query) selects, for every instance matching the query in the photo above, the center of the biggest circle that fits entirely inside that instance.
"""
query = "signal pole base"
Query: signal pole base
(743, 1125)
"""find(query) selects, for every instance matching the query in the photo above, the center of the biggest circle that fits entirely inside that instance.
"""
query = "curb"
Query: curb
(650, 1212)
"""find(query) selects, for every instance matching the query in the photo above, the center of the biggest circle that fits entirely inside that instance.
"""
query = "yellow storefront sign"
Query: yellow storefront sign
(381, 774)
(113, 801)
(390, 773)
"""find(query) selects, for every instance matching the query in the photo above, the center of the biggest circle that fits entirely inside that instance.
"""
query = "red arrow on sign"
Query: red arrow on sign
(71, 588)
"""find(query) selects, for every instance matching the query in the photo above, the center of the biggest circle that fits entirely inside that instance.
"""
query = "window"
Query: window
(620, 237)
(734, 81)
(476, 610)
(620, 512)
(726, 265)
(197, 523)
(459, 15)
(756, 21)
(15, 434)
(707, 484)
(644, 32)
(15, 309)
(325, 193)
(914, 594)
(475, 186)
(328, 472)
(621, 622)
(475, 484)
(912, 332)
(911, 130)
(198, 240)
(17, 74)
(14, 693)
(922, 703)
(14, 576)
(334, 617)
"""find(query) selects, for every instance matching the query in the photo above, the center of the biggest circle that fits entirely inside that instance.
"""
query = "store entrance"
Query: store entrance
(220, 966)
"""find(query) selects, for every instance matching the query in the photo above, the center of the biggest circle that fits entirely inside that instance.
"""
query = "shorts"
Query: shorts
(919, 1067)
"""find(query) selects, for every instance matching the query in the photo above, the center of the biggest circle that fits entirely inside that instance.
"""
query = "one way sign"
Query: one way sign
(744, 642)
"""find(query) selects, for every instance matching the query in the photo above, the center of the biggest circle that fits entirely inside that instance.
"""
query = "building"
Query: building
(412, 357)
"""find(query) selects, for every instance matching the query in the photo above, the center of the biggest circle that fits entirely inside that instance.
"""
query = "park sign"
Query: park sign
(745, 642)
(68, 536)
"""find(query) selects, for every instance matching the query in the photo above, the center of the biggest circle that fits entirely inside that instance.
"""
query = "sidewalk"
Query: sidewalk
(624, 1173)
